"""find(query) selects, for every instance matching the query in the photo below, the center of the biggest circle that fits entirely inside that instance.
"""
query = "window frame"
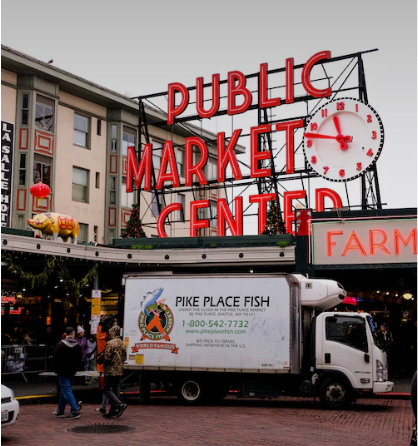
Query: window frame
(364, 349)
(87, 133)
(38, 124)
(85, 226)
(87, 186)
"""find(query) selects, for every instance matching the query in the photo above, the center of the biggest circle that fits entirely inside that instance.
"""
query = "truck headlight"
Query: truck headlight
(379, 371)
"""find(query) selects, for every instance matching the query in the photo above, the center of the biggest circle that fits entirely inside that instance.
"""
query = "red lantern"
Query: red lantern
(40, 190)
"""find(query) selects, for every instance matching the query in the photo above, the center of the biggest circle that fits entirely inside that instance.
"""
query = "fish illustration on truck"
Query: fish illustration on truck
(57, 225)
(150, 299)
(156, 318)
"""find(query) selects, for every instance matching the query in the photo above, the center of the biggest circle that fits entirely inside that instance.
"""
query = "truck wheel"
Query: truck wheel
(334, 393)
(191, 391)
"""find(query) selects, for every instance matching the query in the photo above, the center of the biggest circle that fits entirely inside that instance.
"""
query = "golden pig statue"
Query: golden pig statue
(58, 225)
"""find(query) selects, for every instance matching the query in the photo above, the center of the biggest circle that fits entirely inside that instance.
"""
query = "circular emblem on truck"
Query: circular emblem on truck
(158, 324)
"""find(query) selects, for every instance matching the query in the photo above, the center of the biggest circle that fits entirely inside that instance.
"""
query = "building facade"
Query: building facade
(73, 135)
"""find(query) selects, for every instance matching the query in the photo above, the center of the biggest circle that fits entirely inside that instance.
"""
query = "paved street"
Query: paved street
(286, 422)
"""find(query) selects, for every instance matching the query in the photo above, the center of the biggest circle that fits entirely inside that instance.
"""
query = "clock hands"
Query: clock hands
(343, 140)
(340, 137)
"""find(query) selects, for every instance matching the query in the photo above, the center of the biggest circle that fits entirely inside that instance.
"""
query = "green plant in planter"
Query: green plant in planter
(213, 245)
(142, 247)
(282, 244)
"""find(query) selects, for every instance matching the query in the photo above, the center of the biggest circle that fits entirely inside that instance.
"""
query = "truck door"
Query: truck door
(346, 348)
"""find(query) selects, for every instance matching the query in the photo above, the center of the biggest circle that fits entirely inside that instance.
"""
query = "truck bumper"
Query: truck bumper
(382, 387)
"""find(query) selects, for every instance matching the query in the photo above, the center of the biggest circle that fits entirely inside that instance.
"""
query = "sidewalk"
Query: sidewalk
(43, 390)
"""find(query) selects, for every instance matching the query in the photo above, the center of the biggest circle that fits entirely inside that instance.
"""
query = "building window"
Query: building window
(81, 130)
(202, 213)
(180, 163)
(22, 170)
(112, 234)
(25, 108)
(44, 115)
(21, 222)
(97, 180)
(114, 138)
(211, 168)
(80, 185)
(83, 233)
(157, 152)
(128, 139)
(213, 214)
(154, 205)
(42, 169)
(99, 127)
(96, 233)
(181, 198)
(112, 190)
(347, 330)
(127, 198)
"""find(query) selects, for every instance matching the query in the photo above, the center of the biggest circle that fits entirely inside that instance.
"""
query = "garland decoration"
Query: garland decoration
(41, 279)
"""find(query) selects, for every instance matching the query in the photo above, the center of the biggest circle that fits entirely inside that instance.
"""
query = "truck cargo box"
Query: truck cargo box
(213, 323)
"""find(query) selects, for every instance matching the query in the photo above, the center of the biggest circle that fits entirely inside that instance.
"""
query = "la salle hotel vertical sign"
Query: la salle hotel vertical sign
(7, 130)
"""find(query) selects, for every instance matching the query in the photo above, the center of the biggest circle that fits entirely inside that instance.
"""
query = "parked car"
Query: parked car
(9, 407)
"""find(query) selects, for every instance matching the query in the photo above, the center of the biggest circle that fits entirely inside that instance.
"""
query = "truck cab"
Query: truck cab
(348, 358)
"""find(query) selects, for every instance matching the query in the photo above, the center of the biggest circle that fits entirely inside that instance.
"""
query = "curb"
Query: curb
(52, 398)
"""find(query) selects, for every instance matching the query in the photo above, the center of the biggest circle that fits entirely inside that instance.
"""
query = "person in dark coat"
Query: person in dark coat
(67, 360)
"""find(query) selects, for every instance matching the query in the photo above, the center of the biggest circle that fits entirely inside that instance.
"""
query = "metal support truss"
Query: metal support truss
(350, 78)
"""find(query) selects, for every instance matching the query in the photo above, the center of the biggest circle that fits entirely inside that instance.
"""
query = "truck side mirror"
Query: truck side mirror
(366, 357)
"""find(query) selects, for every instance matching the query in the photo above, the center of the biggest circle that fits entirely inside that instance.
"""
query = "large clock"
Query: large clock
(343, 139)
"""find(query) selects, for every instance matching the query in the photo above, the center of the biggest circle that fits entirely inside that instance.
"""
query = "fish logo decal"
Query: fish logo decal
(150, 299)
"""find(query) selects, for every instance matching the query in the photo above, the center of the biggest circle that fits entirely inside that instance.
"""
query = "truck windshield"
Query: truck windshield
(373, 329)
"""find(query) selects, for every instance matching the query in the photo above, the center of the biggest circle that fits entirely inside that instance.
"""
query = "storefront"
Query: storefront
(373, 254)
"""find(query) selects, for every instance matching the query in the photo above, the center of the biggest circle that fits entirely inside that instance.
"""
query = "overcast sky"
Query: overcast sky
(138, 47)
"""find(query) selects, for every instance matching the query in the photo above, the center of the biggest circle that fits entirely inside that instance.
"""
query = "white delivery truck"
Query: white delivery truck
(260, 335)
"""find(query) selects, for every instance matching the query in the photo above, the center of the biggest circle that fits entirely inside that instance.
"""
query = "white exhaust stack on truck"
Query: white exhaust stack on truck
(204, 335)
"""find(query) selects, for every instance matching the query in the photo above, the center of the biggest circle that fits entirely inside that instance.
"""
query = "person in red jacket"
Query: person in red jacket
(106, 322)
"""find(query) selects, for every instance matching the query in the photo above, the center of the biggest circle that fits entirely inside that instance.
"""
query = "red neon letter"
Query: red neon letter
(262, 200)
(256, 155)
(357, 244)
(412, 236)
(200, 97)
(161, 218)
(194, 222)
(188, 160)
(263, 100)
(228, 155)
(379, 245)
(320, 195)
(289, 126)
(289, 216)
(289, 80)
(235, 90)
(168, 157)
(331, 243)
(172, 110)
(306, 72)
(144, 168)
(225, 214)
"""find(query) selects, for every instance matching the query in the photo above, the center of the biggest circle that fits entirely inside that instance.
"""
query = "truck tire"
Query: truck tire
(335, 393)
(191, 391)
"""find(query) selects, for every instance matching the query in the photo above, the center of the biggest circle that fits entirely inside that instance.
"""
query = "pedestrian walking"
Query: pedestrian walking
(67, 359)
(114, 357)
(106, 322)
(82, 341)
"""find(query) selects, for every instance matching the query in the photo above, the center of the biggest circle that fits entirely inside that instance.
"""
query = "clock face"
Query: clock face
(343, 139)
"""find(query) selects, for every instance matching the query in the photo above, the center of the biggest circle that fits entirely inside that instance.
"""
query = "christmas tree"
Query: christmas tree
(134, 228)
(274, 222)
